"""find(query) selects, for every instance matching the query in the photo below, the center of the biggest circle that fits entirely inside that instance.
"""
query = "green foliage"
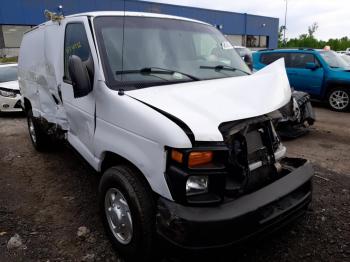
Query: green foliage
(308, 40)
(9, 59)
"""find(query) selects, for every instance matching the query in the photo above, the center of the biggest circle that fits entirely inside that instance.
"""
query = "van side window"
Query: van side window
(269, 58)
(299, 60)
(75, 43)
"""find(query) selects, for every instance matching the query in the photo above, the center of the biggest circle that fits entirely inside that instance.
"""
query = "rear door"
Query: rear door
(264, 59)
(301, 78)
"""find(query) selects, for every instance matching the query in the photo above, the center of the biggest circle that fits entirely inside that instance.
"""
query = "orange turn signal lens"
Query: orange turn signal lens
(177, 156)
(199, 158)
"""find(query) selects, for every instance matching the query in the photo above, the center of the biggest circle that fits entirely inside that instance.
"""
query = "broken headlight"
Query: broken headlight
(7, 93)
(197, 185)
(196, 175)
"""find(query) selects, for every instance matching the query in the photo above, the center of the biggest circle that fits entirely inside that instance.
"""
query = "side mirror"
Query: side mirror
(311, 66)
(79, 75)
(248, 60)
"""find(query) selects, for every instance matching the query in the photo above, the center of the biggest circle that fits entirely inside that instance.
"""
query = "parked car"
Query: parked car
(322, 74)
(297, 116)
(246, 54)
(169, 114)
(346, 58)
(10, 98)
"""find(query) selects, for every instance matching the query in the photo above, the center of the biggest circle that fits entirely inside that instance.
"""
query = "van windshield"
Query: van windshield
(156, 51)
(8, 73)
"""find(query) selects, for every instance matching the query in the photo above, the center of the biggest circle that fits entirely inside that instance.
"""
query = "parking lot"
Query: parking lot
(46, 197)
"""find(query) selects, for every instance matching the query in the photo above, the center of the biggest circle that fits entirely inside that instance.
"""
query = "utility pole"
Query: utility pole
(285, 23)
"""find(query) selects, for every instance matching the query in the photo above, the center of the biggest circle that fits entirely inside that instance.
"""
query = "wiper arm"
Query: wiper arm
(156, 70)
(224, 67)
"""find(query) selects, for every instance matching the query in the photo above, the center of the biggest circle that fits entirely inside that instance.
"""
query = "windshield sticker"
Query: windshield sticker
(72, 47)
(226, 45)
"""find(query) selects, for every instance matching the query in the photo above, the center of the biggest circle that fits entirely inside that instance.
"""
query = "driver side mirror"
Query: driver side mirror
(248, 60)
(311, 66)
(82, 85)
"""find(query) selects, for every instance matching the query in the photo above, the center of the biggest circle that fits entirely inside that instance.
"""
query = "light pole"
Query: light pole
(285, 23)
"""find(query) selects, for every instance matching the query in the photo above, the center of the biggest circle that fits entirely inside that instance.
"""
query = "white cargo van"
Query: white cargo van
(171, 116)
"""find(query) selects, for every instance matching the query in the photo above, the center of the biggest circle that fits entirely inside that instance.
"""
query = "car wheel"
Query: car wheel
(128, 213)
(39, 138)
(339, 99)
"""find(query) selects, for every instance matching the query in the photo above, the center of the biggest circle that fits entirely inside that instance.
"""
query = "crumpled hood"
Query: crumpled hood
(10, 85)
(204, 105)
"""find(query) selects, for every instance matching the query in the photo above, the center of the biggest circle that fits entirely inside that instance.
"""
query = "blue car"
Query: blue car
(322, 74)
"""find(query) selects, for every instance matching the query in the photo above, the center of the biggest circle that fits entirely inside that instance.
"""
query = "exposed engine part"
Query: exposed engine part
(253, 146)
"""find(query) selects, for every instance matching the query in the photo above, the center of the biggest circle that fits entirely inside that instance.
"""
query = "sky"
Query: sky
(332, 16)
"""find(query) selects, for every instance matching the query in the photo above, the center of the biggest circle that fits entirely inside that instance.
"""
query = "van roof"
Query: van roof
(141, 14)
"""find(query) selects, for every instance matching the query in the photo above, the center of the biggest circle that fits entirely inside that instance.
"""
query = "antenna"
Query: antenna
(123, 41)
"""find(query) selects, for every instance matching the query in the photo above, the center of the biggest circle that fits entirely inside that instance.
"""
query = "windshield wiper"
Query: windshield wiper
(156, 70)
(224, 67)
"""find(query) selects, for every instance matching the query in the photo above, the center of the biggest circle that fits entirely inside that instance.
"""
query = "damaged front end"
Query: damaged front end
(296, 116)
(247, 187)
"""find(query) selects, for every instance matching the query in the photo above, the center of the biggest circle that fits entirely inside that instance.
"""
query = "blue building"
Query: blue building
(17, 16)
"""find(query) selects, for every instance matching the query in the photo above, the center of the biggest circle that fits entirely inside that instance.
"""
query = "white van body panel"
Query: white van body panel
(32, 67)
(39, 72)
(136, 132)
(204, 105)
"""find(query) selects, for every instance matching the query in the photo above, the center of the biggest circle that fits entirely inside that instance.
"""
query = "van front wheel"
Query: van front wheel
(128, 213)
(339, 99)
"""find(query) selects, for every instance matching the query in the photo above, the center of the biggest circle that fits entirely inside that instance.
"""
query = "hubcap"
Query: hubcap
(32, 130)
(118, 216)
(339, 99)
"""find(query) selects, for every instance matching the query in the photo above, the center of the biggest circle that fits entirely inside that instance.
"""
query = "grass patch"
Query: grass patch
(9, 59)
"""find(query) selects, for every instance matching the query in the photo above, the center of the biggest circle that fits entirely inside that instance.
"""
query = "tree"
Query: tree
(312, 29)
(280, 36)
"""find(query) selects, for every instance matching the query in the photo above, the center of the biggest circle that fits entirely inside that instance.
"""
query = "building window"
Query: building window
(13, 34)
(235, 40)
(256, 41)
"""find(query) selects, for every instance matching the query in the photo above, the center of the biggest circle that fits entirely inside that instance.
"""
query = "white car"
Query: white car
(173, 119)
(346, 58)
(10, 97)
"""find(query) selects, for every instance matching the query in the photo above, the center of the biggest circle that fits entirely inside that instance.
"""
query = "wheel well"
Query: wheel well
(112, 159)
(27, 105)
(332, 86)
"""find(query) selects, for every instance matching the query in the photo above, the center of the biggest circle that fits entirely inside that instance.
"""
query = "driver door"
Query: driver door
(80, 111)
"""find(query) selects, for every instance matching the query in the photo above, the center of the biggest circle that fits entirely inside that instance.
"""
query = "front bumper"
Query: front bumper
(262, 211)
(10, 104)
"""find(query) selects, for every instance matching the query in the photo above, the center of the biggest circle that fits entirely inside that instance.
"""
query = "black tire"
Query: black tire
(333, 94)
(39, 138)
(139, 198)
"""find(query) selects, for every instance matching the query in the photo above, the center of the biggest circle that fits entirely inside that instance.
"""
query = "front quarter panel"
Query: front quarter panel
(138, 133)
